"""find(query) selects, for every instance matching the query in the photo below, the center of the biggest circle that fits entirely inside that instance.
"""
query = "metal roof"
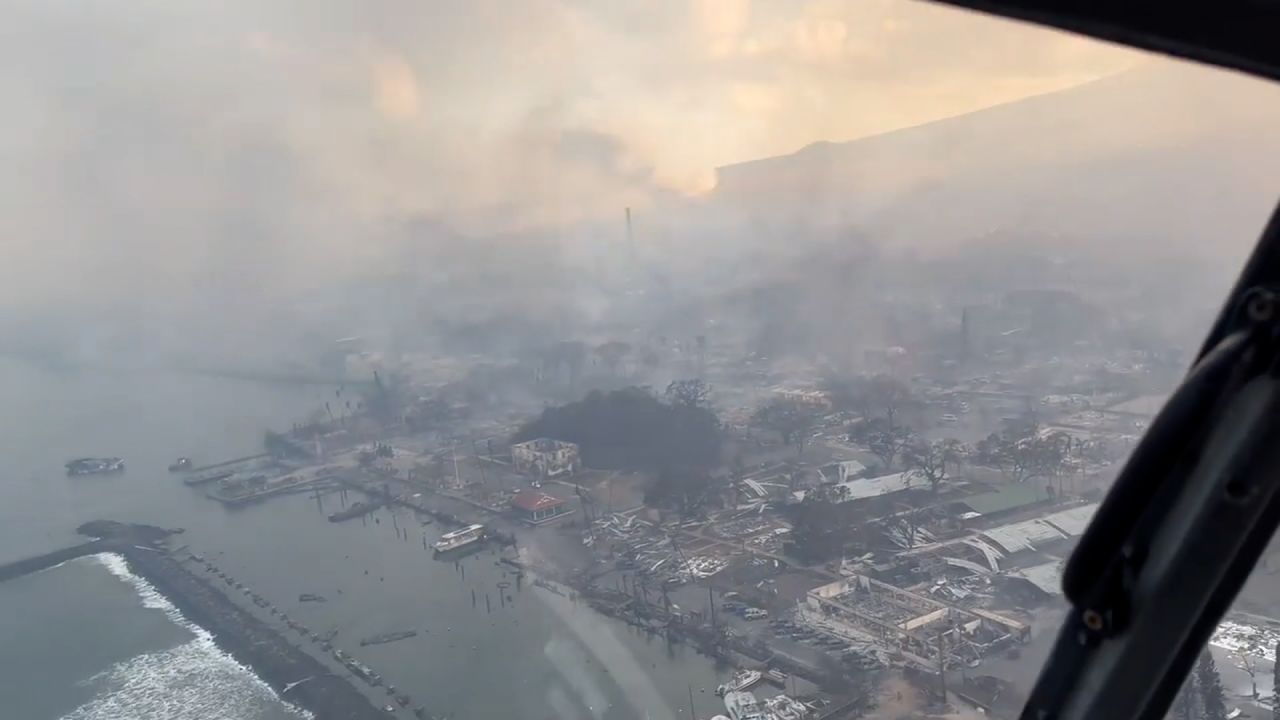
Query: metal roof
(1007, 497)
(533, 501)
(871, 487)
(1074, 521)
(1023, 535)
(1046, 576)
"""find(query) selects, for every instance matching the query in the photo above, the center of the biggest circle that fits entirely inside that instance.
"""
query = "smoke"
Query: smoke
(246, 169)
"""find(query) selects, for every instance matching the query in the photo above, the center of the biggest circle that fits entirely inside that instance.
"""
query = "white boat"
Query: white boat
(742, 705)
(460, 538)
(785, 708)
(741, 680)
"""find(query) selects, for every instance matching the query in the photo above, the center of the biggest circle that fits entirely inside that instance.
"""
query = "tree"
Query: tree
(790, 420)
(1250, 667)
(819, 530)
(1026, 453)
(688, 490)
(1275, 684)
(884, 439)
(1186, 702)
(933, 461)
(908, 524)
(631, 429)
(689, 393)
(1036, 456)
(1213, 701)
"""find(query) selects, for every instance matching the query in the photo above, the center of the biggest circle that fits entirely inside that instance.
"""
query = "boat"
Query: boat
(182, 464)
(742, 705)
(95, 466)
(388, 637)
(460, 538)
(310, 597)
(782, 707)
(354, 511)
(741, 680)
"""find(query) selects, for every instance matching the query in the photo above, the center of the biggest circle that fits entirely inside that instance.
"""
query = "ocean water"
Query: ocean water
(84, 640)
(89, 640)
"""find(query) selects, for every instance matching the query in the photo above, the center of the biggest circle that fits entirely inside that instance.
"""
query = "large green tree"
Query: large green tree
(1213, 701)
(631, 429)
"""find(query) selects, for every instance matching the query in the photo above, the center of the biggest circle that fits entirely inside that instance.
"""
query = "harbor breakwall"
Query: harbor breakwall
(29, 565)
(253, 643)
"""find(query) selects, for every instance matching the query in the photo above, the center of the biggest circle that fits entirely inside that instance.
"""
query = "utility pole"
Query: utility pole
(942, 667)
(631, 246)
(474, 451)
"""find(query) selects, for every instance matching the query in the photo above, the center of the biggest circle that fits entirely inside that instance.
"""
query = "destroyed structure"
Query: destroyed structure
(919, 629)
(545, 457)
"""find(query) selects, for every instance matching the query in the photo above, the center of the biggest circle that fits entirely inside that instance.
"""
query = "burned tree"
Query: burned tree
(933, 461)
(907, 525)
(884, 439)
(791, 421)
(1025, 455)
(692, 393)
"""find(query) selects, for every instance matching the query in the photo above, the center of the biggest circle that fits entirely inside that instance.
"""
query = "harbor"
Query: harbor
(554, 564)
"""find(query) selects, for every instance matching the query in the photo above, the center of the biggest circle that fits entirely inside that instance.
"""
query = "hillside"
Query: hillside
(1166, 152)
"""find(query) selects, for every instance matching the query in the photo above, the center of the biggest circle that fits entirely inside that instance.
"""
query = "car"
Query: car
(949, 418)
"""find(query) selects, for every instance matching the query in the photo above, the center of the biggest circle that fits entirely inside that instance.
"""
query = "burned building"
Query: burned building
(545, 457)
(914, 627)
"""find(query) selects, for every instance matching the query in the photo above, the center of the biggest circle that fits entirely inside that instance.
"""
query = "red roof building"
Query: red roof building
(535, 506)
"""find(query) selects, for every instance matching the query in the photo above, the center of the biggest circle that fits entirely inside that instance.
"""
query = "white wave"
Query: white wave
(193, 681)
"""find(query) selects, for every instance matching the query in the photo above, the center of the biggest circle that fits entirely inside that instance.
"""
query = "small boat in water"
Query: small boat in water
(182, 464)
(741, 680)
(310, 597)
(95, 466)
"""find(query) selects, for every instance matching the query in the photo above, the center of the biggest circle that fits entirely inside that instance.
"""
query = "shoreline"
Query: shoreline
(268, 655)
(264, 651)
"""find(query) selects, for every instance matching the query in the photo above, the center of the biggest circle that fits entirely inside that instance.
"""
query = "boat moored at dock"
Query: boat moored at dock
(460, 538)
(741, 680)
(742, 705)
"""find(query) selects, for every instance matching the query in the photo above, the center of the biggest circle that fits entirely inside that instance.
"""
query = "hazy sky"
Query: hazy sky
(207, 142)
